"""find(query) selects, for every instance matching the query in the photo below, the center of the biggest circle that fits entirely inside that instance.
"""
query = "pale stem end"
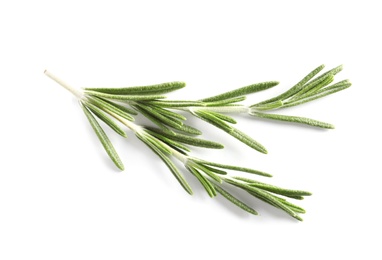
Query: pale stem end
(76, 92)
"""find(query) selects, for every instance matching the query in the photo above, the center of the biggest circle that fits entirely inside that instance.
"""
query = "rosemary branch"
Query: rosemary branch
(171, 138)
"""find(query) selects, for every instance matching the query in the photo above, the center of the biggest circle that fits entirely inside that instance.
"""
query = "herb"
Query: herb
(171, 137)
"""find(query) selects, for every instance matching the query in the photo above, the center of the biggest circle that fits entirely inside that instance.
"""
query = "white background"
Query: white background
(61, 197)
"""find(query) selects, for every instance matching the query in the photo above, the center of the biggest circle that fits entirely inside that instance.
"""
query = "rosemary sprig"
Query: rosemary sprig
(212, 175)
(171, 139)
(310, 88)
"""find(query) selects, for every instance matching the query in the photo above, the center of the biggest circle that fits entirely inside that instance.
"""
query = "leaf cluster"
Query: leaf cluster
(308, 89)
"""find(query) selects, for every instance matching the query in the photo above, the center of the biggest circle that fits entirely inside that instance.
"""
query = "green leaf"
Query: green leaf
(101, 115)
(226, 118)
(242, 91)
(266, 197)
(205, 183)
(296, 88)
(279, 190)
(154, 119)
(310, 89)
(294, 207)
(234, 168)
(244, 138)
(225, 102)
(332, 72)
(205, 170)
(168, 141)
(121, 107)
(165, 112)
(210, 118)
(170, 165)
(189, 130)
(267, 106)
(142, 90)
(294, 119)
(157, 143)
(109, 148)
(163, 119)
(123, 97)
(294, 194)
(212, 169)
(176, 103)
(320, 93)
(110, 108)
(164, 122)
(273, 200)
(187, 139)
(235, 200)
(340, 84)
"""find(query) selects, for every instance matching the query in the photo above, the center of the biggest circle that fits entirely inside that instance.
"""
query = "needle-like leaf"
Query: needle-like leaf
(235, 200)
(309, 89)
(268, 106)
(123, 97)
(169, 141)
(176, 104)
(273, 200)
(225, 118)
(319, 94)
(205, 183)
(332, 72)
(279, 190)
(154, 120)
(292, 206)
(211, 174)
(168, 113)
(189, 130)
(121, 107)
(110, 108)
(246, 139)
(143, 90)
(212, 169)
(171, 166)
(295, 119)
(242, 91)
(296, 88)
(232, 167)
(101, 115)
(190, 140)
(103, 138)
(225, 102)
(265, 196)
(209, 117)
(161, 118)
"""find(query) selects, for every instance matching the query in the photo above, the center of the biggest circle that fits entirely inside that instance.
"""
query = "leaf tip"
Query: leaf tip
(219, 146)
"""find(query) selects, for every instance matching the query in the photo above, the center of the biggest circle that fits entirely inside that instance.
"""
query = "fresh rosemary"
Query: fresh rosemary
(171, 137)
